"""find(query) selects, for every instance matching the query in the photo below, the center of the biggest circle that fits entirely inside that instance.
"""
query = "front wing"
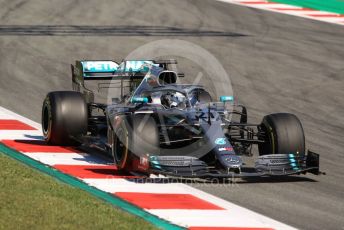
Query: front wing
(267, 165)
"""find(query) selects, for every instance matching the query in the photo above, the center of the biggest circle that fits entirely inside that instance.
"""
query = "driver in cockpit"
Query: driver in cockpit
(173, 100)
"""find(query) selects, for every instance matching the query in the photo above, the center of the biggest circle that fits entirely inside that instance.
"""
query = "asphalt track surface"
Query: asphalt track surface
(276, 63)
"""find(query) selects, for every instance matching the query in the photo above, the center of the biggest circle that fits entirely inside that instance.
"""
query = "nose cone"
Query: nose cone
(231, 161)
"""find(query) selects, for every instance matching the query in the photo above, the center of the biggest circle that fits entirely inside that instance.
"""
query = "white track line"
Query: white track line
(19, 135)
(7, 114)
(214, 218)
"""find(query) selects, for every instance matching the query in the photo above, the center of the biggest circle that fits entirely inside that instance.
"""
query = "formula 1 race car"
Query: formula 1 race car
(158, 126)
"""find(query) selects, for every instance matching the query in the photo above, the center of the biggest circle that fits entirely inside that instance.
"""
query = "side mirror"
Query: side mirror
(226, 98)
(139, 100)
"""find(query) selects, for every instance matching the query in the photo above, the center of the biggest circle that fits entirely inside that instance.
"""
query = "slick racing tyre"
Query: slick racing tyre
(64, 117)
(283, 135)
(120, 144)
(134, 137)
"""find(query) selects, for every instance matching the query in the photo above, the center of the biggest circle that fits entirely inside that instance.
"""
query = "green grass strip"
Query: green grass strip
(115, 201)
(335, 6)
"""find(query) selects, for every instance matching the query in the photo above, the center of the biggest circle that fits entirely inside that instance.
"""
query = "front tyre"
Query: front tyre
(283, 135)
(120, 145)
(134, 137)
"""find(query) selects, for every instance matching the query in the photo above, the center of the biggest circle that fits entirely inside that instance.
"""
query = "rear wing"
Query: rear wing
(111, 70)
(97, 69)
(108, 69)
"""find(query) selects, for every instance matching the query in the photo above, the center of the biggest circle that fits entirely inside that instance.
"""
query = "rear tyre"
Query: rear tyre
(134, 137)
(283, 135)
(64, 117)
